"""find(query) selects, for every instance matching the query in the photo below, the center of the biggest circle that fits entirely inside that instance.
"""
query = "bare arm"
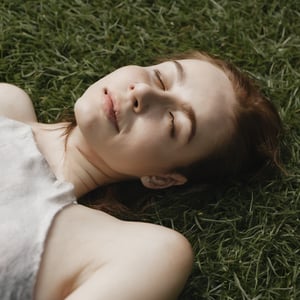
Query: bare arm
(92, 255)
(133, 282)
(153, 266)
(16, 104)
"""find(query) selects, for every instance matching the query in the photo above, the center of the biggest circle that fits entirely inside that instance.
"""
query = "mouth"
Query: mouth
(110, 109)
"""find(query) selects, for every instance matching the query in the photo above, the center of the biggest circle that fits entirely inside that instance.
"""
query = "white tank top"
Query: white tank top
(30, 197)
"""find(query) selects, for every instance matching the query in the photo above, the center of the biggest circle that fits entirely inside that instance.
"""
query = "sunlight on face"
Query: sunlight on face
(146, 120)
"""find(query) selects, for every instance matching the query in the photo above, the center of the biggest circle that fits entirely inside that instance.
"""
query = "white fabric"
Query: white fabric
(30, 196)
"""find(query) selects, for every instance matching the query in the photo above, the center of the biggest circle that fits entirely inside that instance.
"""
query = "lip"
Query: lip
(110, 109)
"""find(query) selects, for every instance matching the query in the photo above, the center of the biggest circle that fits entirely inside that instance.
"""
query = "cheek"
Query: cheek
(139, 153)
(83, 111)
(88, 106)
(88, 112)
(143, 147)
(149, 137)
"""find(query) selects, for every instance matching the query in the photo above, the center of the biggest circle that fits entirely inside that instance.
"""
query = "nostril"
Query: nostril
(136, 105)
(105, 91)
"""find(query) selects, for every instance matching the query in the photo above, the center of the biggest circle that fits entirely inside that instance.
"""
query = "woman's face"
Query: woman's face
(151, 120)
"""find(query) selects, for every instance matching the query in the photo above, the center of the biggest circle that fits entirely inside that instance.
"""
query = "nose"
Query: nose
(143, 97)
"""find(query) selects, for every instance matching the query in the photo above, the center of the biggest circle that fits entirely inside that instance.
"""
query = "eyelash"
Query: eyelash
(159, 77)
(172, 125)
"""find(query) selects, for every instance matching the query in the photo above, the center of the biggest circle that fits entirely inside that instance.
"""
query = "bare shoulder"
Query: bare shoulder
(93, 252)
(74, 249)
(16, 104)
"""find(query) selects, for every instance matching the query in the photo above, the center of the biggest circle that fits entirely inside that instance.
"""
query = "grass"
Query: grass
(246, 237)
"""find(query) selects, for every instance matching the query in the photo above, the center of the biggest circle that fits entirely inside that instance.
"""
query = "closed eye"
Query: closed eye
(172, 125)
(159, 78)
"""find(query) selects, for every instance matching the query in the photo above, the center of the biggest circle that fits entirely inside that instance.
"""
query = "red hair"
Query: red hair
(254, 143)
(253, 146)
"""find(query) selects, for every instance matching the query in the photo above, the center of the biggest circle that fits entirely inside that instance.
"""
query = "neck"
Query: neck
(71, 159)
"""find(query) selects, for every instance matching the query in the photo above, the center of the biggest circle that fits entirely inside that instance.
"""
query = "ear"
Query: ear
(163, 181)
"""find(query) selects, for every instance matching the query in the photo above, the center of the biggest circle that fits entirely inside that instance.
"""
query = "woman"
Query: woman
(165, 124)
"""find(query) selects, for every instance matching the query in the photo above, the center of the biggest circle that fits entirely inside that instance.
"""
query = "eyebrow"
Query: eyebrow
(180, 70)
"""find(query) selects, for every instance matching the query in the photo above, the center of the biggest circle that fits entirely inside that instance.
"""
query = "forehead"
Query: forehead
(207, 85)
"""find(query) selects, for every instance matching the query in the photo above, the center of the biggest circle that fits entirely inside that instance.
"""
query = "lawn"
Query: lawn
(246, 237)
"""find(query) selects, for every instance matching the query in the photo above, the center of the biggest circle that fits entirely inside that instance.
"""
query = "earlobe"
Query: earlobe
(163, 181)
